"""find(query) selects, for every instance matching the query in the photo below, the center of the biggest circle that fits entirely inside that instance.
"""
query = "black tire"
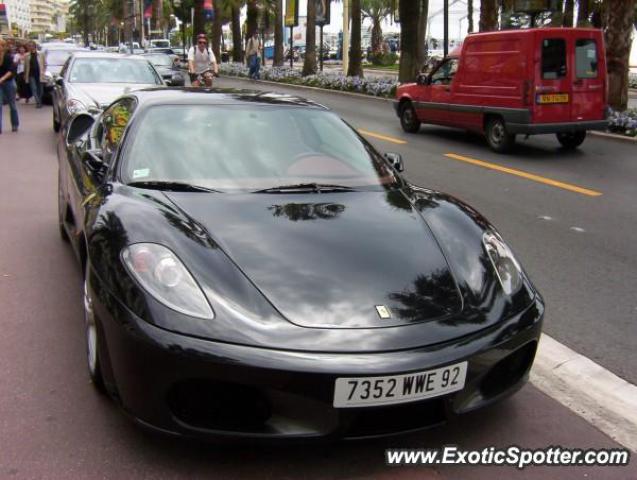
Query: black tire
(408, 119)
(92, 337)
(61, 213)
(499, 140)
(571, 141)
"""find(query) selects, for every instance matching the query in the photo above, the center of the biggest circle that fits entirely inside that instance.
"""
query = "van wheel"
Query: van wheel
(408, 119)
(497, 137)
(571, 141)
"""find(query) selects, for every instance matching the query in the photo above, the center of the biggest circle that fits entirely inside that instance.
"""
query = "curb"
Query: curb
(307, 87)
(613, 136)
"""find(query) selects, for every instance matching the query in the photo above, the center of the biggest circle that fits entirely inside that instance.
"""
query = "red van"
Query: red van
(540, 80)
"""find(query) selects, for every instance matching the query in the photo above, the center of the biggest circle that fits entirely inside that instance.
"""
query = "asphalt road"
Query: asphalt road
(580, 250)
(53, 425)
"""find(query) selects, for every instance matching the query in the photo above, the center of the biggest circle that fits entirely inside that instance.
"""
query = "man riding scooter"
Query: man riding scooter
(201, 59)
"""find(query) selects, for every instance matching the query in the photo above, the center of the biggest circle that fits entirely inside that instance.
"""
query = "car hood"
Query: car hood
(332, 260)
(101, 94)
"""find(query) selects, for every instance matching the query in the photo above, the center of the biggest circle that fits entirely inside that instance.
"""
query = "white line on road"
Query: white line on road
(588, 389)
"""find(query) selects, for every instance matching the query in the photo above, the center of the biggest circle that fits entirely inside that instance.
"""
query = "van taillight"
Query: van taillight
(527, 92)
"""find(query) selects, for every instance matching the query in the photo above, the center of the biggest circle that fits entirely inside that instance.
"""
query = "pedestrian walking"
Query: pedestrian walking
(253, 48)
(7, 85)
(201, 58)
(34, 70)
(19, 59)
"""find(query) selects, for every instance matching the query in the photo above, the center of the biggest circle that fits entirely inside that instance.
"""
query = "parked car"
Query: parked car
(548, 80)
(55, 55)
(168, 67)
(90, 81)
(286, 282)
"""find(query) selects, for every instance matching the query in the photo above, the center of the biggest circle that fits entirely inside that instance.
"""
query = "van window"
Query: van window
(586, 58)
(445, 73)
(553, 58)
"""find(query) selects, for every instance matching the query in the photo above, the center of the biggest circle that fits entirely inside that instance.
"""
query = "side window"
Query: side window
(586, 58)
(553, 58)
(445, 73)
(113, 123)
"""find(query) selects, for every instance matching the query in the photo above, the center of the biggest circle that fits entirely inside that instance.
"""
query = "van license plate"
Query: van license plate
(373, 391)
(553, 98)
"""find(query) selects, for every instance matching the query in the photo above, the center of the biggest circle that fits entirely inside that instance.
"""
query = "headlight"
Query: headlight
(506, 267)
(74, 106)
(162, 275)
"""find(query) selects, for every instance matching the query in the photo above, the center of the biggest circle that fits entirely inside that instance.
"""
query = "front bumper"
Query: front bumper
(198, 388)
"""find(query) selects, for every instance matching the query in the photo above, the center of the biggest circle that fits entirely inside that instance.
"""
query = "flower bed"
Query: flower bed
(378, 87)
(624, 123)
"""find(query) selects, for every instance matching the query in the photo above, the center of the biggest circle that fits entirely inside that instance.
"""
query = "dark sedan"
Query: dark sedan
(255, 268)
(167, 66)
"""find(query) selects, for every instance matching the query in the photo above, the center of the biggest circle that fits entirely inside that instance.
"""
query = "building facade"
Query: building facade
(19, 16)
(48, 16)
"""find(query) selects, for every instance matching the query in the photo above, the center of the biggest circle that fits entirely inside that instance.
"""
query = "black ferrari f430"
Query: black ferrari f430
(253, 267)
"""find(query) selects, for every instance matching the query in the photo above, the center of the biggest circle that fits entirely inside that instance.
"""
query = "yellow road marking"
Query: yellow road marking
(528, 176)
(382, 137)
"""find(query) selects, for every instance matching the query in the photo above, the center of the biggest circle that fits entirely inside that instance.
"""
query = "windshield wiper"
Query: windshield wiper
(172, 186)
(306, 187)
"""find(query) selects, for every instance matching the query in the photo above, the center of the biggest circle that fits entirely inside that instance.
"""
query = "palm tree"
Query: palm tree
(583, 12)
(355, 68)
(409, 65)
(252, 22)
(618, 35)
(470, 15)
(376, 11)
(309, 64)
(488, 15)
(278, 33)
(569, 6)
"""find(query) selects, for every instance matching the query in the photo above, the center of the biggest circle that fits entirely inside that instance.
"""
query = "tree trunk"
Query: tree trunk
(237, 45)
(422, 32)
(252, 22)
(409, 13)
(470, 15)
(569, 6)
(488, 15)
(199, 21)
(619, 21)
(355, 68)
(583, 12)
(309, 65)
(278, 34)
(216, 32)
(557, 16)
(377, 35)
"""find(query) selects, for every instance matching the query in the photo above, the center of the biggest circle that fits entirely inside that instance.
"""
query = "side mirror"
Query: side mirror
(78, 125)
(396, 161)
(59, 82)
(94, 162)
(177, 80)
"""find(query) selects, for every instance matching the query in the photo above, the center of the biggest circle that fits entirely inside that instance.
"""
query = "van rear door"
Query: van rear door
(587, 75)
(553, 96)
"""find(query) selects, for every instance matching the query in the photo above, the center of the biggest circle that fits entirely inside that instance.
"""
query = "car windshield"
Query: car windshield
(112, 70)
(160, 59)
(239, 147)
(57, 57)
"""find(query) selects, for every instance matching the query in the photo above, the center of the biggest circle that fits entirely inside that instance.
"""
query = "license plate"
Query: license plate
(553, 98)
(372, 391)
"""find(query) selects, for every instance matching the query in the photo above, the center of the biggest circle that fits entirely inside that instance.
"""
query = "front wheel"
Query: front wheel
(408, 119)
(571, 141)
(497, 137)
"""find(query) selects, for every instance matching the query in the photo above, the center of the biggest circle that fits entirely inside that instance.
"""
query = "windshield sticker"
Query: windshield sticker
(141, 173)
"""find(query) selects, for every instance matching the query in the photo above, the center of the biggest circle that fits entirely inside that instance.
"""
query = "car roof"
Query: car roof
(103, 54)
(217, 96)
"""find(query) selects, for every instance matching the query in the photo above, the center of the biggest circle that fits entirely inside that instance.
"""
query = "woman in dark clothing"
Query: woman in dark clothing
(34, 72)
(7, 85)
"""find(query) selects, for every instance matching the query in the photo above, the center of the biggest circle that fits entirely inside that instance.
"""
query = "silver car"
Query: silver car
(90, 81)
